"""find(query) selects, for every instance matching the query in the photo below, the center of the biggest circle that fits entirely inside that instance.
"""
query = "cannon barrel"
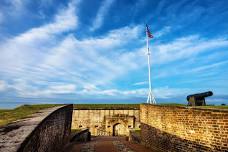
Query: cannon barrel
(200, 95)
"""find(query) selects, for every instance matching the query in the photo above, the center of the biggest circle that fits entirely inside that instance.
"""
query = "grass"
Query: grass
(172, 104)
(204, 107)
(106, 106)
(8, 116)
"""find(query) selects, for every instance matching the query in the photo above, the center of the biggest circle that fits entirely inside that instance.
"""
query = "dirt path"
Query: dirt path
(106, 144)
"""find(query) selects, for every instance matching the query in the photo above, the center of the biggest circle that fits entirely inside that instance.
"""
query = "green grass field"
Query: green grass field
(106, 106)
(7, 116)
(204, 107)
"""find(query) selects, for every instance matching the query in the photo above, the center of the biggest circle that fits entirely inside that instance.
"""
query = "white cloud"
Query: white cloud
(95, 58)
(47, 92)
(162, 32)
(3, 85)
(167, 92)
(64, 21)
(195, 53)
(140, 83)
(96, 62)
(17, 5)
(28, 89)
(67, 88)
(185, 47)
(207, 67)
(89, 87)
(113, 92)
(39, 56)
(23, 55)
(161, 92)
(29, 47)
(11, 10)
(97, 23)
(16, 8)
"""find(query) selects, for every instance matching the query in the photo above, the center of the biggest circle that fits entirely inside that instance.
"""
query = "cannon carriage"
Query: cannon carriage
(198, 99)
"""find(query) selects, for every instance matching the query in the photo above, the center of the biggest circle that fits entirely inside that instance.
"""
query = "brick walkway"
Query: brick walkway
(106, 144)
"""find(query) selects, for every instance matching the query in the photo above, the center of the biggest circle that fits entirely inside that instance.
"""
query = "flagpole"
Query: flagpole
(150, 99)
(148, 62)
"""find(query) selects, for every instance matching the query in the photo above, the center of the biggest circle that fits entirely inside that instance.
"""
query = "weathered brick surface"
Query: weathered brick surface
(170, 128)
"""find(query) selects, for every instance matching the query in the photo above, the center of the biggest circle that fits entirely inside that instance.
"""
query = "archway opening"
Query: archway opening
(119, 130)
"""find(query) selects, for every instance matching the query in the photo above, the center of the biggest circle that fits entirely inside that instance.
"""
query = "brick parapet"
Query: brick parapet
(174, 128)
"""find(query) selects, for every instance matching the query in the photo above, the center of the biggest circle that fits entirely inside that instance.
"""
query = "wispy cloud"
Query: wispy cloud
(103, 10)
(22, 56)
(26, 89)
(48, 92)
(161, 92)
(86, 62)
(140, 83)
(162, 32)
(185, 47)
(15, 8)
(3, 85)
(18, 4)
(68, 59)
(34, 41)
(210, 66)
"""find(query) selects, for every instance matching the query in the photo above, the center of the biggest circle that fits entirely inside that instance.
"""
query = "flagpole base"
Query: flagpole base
(150, 98)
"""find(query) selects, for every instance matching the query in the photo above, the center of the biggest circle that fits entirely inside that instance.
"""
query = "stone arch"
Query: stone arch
(119, 129)
(119, 125)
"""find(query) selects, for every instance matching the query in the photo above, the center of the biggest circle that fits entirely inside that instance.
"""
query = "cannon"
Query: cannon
(198, 99)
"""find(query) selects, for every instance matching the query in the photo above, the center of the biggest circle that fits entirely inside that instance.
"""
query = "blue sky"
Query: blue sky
(94, 51)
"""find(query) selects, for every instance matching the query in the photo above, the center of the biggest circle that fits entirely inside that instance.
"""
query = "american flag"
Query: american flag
(148, 32)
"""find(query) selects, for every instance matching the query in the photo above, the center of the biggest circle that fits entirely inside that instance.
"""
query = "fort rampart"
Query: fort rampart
(172, 128)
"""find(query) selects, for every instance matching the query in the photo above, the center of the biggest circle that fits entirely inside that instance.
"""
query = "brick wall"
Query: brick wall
(170, 128)
(51, 134)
